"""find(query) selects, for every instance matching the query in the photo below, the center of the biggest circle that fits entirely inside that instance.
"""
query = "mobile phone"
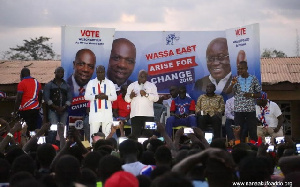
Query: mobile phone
(268, 139)
(41, 140)
(53, 127)
(73, 144)
(188, 130)
(298, 148)
(208, 136)
(150, 125)
(141, 140)
(65, 132)
(279, 140)
(161, 139)
(115, 123)
(121, 139)
(32, 133)
(23, 123)
(270, 148)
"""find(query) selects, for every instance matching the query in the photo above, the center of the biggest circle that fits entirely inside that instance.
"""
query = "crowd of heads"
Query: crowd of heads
(185, 161)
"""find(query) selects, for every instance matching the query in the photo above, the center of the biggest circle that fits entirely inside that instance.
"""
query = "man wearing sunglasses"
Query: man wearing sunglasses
(218, 65)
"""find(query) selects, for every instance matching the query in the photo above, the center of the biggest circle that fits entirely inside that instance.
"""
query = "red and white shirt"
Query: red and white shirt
(30, 88)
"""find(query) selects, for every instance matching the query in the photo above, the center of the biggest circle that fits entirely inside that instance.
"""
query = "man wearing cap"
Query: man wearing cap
(270, 116)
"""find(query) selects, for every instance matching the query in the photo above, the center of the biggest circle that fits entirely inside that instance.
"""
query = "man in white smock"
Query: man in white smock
(100, 92)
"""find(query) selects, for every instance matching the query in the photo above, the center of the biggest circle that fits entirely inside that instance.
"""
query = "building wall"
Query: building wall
(287, 93)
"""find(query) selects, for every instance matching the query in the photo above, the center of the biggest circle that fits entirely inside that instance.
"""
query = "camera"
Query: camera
(23, 123)
(188, 130)
(115, 123)
(141, 140)
(271, 148)
(53, 127)
(268, 139)
(150, 125)
(298, 148)
(279, 140)
(121, 139)
(208, 136)
(41, 140)
(32, 133)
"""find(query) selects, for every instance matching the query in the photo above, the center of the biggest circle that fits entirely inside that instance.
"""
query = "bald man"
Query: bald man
(101, 93)
(141, 95)
(218, 65)
(58, 97)
(84, 66)
(121, 62)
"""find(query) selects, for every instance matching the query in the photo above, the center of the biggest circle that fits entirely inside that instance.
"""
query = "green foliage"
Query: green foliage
(33, 49)
(271, 53)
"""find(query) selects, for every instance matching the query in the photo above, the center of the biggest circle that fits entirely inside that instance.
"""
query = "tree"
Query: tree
(33, 49)
(270, 53)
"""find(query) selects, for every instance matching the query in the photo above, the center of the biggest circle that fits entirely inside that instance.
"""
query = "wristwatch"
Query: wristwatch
(147, 94)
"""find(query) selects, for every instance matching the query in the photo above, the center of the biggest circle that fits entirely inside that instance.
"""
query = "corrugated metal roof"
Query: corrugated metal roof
(275, 70)
(43, 71)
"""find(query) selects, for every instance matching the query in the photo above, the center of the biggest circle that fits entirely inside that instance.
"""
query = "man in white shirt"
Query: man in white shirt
(229, 113)
(141, 94)
(100, 92)
(270, 115)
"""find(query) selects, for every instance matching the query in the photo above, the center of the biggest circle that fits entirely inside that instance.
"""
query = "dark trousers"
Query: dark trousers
(215, 121)
(31, 118)
(138, 124)
(228, 129)
(248, 123)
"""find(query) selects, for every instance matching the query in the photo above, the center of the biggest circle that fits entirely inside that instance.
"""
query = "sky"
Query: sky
(279, 20)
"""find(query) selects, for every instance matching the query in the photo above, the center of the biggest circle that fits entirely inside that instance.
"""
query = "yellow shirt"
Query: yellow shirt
(210, 105)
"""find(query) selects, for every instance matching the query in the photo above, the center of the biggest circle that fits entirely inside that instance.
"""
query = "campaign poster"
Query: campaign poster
(192, 58)
(243, 44)
(83, 49)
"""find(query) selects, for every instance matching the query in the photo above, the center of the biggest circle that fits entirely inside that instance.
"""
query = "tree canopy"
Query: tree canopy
(270, 53)
(33, 49)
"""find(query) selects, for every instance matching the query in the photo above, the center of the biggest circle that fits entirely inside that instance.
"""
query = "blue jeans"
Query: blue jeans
(54, 118)
(172, 121)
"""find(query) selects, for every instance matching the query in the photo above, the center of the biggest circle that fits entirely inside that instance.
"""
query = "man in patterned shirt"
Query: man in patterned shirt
(209, 109)
(246, 88)
(182, 112)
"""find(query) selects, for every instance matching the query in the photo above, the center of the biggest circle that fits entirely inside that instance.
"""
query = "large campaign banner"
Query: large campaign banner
(190, 58)
(194, 58)
(83, 49)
